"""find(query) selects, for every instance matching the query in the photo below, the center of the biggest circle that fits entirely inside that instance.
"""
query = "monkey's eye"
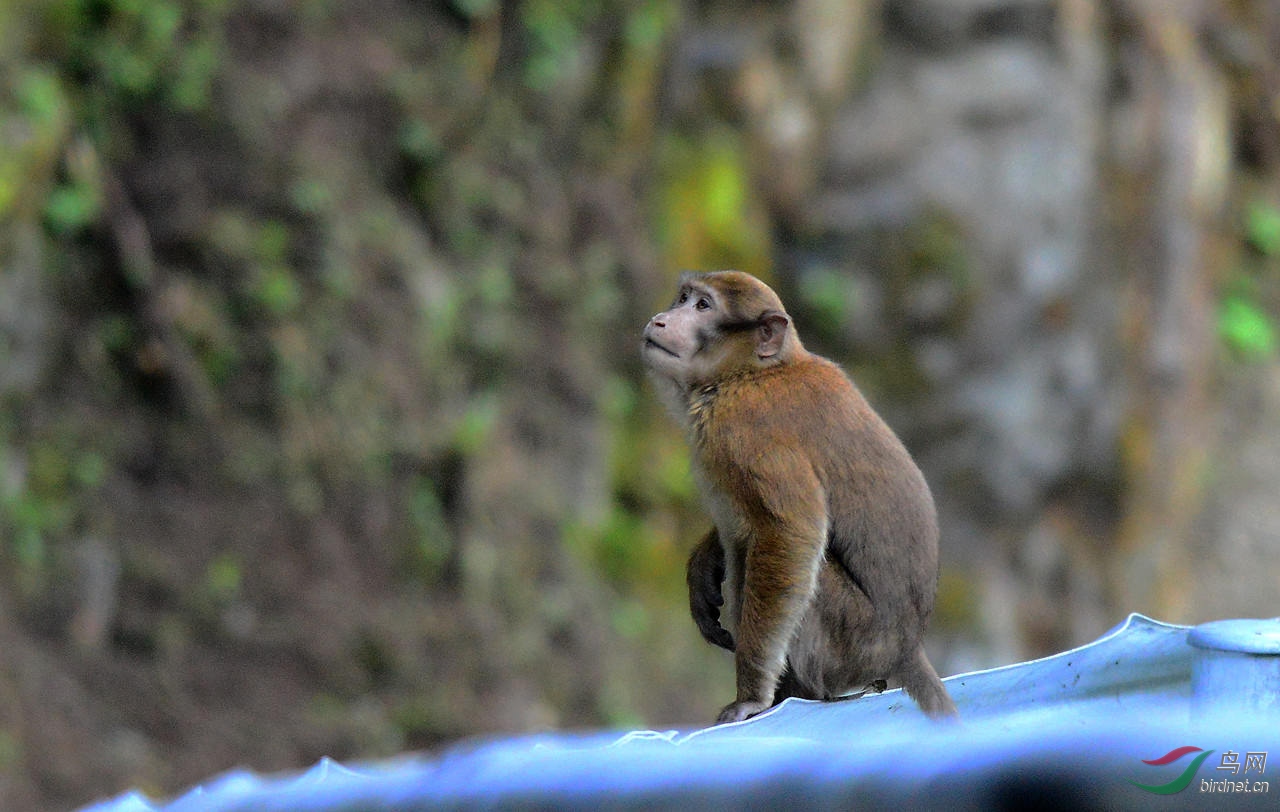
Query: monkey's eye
(684, 297)
(702, 304)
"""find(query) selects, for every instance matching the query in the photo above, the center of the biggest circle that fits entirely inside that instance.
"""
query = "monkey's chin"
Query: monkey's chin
(650, 344)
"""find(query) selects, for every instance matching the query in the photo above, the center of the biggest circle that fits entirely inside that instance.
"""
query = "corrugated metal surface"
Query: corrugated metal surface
(1075, 730)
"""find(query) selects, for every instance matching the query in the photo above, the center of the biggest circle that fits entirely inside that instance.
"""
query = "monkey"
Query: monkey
(824, 549)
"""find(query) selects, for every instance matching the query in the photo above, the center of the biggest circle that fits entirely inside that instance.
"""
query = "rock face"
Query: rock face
(992, 137)
(1014, 332)
(1006, 226)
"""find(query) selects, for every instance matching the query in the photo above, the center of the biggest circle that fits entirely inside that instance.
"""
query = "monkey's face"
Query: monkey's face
(718, 324)
(676, 336)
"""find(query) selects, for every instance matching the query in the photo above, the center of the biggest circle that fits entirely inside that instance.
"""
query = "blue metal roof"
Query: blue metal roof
(1080, 728)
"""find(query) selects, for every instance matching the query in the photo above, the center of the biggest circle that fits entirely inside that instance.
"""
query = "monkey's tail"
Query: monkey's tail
(922, 684)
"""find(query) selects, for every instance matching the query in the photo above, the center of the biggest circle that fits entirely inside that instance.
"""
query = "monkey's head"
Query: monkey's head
(721, 324)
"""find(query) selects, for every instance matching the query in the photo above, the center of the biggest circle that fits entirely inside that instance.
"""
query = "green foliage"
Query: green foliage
(1246, 328)
(1262, 228)
(419, 140)
(636, 85)
(311, 196)
(617, 547)
(71, 207)
(724, 190)
(76, 203)
(649, 460)
(262, 251)
(555, 31)
(494, 285)
(277, 290)
(477, 424)
(648, 22)
(674, 475)
(38, 505)
(433, 541)
(638, 544)
(824, 293)
(708, 217)
(618, 399)
(1246, 321)
(36, 118)
(31, 519)
(630, 619)
(139, 49)
(223, 578)
(109, 55)
(40, 97)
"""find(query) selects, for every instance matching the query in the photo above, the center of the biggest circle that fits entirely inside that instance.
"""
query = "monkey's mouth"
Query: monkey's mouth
(649, 342)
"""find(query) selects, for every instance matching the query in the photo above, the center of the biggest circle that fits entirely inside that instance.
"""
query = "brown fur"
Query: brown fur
(824, 553)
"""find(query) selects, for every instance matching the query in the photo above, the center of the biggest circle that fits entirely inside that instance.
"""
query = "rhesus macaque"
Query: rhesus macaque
(824, 554)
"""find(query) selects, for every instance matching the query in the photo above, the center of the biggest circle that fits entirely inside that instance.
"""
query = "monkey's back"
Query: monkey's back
(877, 586)
(884, 525)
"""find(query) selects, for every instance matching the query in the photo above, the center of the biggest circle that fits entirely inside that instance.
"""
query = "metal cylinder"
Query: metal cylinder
(1236, 668)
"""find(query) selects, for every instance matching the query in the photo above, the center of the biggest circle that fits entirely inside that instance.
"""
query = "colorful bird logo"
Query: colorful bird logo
(1180, 783)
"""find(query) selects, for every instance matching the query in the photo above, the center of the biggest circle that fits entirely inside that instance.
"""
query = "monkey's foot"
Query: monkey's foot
(737, 711)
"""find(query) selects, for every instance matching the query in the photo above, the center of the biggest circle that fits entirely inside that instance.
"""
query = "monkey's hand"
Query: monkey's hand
(706, 614)
(737, 711)
(706, 573)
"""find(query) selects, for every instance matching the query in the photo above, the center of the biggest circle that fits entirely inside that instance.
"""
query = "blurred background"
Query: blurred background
(322, 425)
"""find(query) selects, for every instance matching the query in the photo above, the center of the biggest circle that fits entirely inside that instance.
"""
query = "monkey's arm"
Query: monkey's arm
(786, 507)
(705, 575)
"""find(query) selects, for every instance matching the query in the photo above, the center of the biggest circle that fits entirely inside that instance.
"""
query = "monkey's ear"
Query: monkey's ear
(771, 333)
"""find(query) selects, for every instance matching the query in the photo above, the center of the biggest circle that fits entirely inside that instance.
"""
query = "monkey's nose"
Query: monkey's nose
(657, 321)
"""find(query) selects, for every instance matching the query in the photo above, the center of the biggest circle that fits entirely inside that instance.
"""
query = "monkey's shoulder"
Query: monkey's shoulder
(810, 383)
(783, 405)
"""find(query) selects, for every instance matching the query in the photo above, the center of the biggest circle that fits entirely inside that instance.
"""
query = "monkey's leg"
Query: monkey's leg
(781, 578)
(789, 686)
(705, 575)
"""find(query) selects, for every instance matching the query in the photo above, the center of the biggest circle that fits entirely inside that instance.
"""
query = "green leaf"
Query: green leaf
(224, 576)
(725, 191)
(70, 208)
(278, 291)
(1246, 328)
(41, 98)
(1262, 227)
